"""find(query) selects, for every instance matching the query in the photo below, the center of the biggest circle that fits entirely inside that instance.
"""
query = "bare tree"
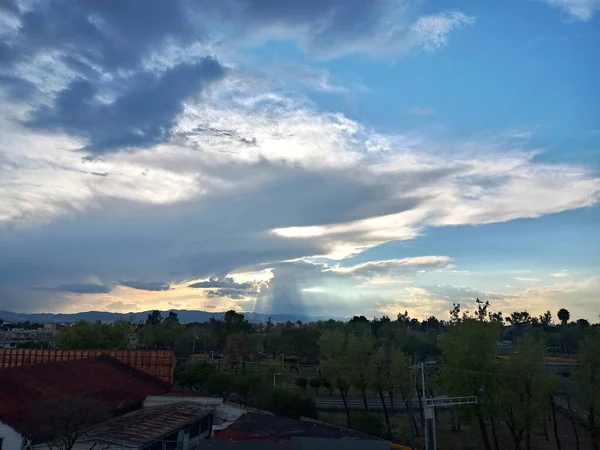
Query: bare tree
(59, 423)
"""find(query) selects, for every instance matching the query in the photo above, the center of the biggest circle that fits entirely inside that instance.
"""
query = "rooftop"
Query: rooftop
(102, 379)
(254, 426)
(148, 424)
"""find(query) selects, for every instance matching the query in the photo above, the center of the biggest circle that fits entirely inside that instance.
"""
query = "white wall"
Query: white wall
(11, 440)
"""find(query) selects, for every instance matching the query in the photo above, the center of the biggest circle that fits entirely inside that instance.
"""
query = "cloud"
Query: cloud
(215, 282)
(464, 293)
(83, 288)
(561, 274)
(142, 115)
(146, 286)
(420, 111)
(393, 266)
(528, 280)
(122, 306)
(583, 10)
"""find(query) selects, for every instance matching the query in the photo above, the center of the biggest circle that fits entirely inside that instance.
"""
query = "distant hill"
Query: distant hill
(185, 316)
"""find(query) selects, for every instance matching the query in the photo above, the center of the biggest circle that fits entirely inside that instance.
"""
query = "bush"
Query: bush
(369, 424)
(327, 385)
(302, 383)
(315, 383)
(194, 376)
(289, 404)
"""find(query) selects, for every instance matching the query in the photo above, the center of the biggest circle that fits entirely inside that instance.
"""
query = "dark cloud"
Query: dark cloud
(215, 282)
(227, 293)
(108, 35)
(142, 115)
(83, 288)
(147, 286)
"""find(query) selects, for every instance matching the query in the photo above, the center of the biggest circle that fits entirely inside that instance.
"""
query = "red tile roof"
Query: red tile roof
(121, 387)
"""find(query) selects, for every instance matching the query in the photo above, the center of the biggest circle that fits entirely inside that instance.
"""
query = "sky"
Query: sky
(331, 157)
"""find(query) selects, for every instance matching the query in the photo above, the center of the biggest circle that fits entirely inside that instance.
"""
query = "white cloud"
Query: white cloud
(528, 280)
(561, 274)
(583, 10)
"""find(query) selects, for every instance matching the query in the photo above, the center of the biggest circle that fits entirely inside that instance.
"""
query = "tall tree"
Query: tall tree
(381, 381)
(154, 318)
(358, 353)
(587, 379)
(524, 390)
(563, 316)
(403, 379)
(469, 357)
(334, 365)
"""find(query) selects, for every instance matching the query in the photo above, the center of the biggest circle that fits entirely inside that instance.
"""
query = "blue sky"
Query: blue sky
(329, 158)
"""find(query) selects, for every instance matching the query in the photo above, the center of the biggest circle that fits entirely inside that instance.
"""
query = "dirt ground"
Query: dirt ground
(469, 436)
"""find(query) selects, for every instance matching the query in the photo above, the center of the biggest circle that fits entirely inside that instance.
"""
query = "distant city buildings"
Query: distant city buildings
(14, 337)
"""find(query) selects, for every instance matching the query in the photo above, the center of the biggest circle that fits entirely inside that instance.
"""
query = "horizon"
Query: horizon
(330, 160)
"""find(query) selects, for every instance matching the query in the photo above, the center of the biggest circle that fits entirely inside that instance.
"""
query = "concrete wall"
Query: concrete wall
(11, 440)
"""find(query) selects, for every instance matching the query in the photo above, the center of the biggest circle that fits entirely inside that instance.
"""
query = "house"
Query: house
(67, 388)
(162, 427)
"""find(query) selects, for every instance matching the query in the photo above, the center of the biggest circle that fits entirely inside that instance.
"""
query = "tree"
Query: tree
(154, 318)
(327, 385)
(524, 390)
(59, 423)
(194, 376)
(235, 351)
(587, 380)
(171, 318)
(315, 383)
(333, 364)
(302, 383)
(358, 353)
(403, 379)
(563, 316)
(95, 335)
(469, 356)
(381, 381)
(546, 319)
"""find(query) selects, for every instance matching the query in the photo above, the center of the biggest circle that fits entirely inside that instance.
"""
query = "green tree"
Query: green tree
(563, 316)
(333, 365)
(469, 357)
(381, 381)
(154, 318)
(524, 390)
(403, 377)
(357, 353)
(315, 383)
(235, 351)
(194, 376)
(95, 335)
(587, 380)
(302, 383)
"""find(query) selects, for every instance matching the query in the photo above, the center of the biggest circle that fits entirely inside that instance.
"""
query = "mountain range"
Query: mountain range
(184, 315)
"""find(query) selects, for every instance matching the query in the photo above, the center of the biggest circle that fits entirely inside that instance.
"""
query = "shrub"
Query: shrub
(302, 383)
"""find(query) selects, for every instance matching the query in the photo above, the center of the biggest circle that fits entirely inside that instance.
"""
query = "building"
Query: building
(169, 426)
(100, 381)
(13, 337)
(156, 363)
(257, 426)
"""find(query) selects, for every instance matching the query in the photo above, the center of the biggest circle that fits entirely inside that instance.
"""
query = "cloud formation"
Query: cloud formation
(146, 286)
(83, 288)
(583, 10)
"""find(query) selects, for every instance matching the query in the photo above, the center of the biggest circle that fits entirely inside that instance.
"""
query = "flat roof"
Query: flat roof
(148, 424)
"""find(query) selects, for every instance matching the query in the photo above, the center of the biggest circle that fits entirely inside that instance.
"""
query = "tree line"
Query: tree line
(381, 357)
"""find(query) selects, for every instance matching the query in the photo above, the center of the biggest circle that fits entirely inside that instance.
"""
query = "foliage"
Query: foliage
(95, 335)
(288, 403)
(369, 424)
(302, 383)
(587, 378)
(563, 316)
(315, 383)
(194, 376)
(524, 389)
